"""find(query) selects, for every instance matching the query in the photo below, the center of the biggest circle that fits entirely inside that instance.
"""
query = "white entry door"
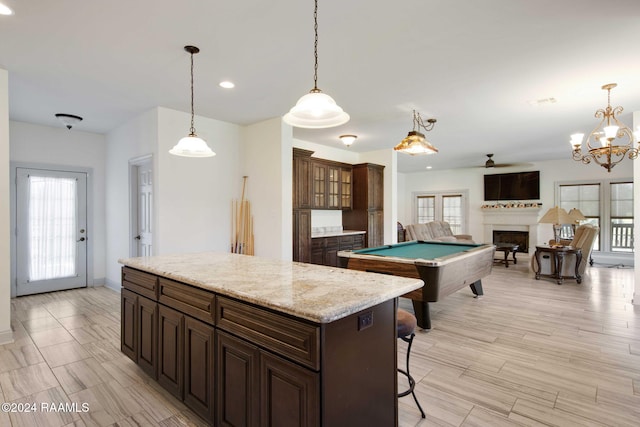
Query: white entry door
(51, 220)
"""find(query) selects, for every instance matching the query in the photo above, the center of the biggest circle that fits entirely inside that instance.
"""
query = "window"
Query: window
(622, 216)
(426, 209)
(449, 206)
(607, 204)
(585, 197)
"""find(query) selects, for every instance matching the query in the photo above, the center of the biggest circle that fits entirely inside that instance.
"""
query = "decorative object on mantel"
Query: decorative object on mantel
(192, 145)
(316, 110)
(68, 119)
(242, 224)
(415, 142)
(556, 216)
(600, 142)
(348, 139)
(513, 205)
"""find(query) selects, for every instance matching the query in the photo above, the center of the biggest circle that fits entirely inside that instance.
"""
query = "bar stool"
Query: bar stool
(406, 325)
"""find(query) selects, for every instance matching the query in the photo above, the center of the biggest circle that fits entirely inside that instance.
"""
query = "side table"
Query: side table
(507, 248)
(557, 254)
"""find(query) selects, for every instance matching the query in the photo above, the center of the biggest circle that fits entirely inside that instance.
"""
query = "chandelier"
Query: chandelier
(192, 145)
(316, 110)
(415, 143)
(610, 141)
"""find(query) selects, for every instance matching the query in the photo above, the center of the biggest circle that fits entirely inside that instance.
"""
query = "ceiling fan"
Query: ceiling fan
(490, 163)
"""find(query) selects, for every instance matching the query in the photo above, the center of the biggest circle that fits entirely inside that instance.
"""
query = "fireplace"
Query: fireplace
(512, 219)
(520, 238)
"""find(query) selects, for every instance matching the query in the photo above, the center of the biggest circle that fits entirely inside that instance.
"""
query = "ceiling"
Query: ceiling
(477, 67)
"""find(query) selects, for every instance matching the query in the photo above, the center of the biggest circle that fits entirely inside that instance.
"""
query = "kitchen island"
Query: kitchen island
(252, 341)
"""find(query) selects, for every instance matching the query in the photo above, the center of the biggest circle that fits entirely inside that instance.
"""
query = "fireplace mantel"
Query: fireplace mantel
(512, 219)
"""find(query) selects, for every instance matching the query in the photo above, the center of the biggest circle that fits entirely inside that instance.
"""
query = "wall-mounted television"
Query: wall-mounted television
(512, 186)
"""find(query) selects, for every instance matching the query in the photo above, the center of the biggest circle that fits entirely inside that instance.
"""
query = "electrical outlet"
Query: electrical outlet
(365, 320)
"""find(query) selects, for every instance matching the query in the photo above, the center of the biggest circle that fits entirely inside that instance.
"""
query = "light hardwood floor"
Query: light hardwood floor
(528, 353)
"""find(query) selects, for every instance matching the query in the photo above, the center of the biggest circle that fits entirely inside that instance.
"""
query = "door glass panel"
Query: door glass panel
(52, 227)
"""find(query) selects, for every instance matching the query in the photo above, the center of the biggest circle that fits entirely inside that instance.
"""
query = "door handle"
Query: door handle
(81, 239)
(137, 237)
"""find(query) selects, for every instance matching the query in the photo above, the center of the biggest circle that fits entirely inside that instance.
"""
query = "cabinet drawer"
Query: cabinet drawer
(190, 300)
(287, 337)
(141, 283)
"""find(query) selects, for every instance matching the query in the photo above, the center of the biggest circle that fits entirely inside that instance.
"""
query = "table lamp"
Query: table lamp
(577, 216)
(556, 216)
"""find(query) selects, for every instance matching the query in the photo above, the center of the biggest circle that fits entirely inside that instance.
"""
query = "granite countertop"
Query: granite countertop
(317, 293)
(335, 233)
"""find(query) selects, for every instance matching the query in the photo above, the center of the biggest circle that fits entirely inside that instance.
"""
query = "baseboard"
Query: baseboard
(115, 286)
(6, 337)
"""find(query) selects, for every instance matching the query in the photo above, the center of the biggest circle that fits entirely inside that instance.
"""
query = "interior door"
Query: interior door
(144, 215)
(51, 234)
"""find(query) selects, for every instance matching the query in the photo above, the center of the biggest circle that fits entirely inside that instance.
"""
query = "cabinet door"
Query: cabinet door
(198, 367)
(170, 350)
(331, 251)
(375, 230)
(345, 188)
(129, 325)
(289, 393)
(358, 241)
(319, 199)
(237, 382)
(302, 235)
(317, 250)
(334, 184)
(147, 317)
(302, 182)
(376, 187)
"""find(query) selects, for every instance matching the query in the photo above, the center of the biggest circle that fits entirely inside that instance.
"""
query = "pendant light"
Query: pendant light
(192, 145)
(316, 110)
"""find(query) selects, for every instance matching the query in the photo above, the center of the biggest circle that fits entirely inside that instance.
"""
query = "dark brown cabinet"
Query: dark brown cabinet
(199, 367)
(329, 180)
(171, 350)
(289, 393)
(302, 235)
(237, 372)
(301, 178)
(324, 250)
(238, 364)
(368, 203)
(147, 335)
(129, 325)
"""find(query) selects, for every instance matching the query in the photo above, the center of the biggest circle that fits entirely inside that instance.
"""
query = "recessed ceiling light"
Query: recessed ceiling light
(5, 10)
(429, 167)
(227, 84)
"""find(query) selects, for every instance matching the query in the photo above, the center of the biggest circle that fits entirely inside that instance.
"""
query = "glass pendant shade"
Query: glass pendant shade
(316, 110)
(415, 144)
(192, 146)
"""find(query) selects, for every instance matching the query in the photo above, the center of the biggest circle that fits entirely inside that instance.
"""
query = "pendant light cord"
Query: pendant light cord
(193, 129)
(315, 48)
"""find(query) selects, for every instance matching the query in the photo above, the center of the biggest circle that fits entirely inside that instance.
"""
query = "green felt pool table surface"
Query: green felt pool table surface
(418, 249)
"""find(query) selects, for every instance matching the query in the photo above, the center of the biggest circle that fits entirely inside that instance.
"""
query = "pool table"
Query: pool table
(444, 267)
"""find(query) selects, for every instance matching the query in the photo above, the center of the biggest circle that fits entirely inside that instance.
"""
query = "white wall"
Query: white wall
(338, 154)
(471, 179)
(267, 161)
(193, 195)
(6, 335)
(59, 148)
(133, 139)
